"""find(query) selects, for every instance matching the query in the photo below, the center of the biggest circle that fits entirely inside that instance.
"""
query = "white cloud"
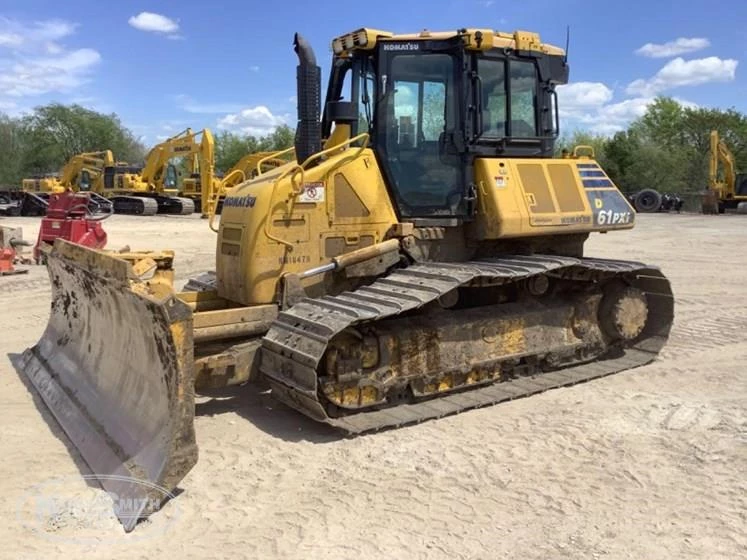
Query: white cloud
(155, 23)
(580, 97)
(186, 103)
(608, 118)
(53, 48)
(34, 62)
(679, 46)
(679, 72)
(51, 30)
(253, 120)
(254, 68)
(10, 40)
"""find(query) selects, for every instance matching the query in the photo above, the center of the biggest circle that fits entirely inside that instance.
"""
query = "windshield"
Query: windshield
(518, 95)
(420, 108)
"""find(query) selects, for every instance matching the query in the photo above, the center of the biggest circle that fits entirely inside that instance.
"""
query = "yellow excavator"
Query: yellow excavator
(80, 173)
(727, 189)
(154, 187)
(42, 184)
(422, 255)
(201, 156)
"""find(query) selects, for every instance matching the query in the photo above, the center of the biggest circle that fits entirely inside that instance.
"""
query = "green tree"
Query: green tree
(668, 147)
(231, 147)
(279, 139)
(621, 153)
(54, 133)
(11, 170)
(584, 138)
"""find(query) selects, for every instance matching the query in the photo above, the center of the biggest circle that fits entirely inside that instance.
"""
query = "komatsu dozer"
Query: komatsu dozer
(423, 255)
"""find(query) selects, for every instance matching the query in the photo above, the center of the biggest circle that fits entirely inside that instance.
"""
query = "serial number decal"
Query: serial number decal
(295, 259)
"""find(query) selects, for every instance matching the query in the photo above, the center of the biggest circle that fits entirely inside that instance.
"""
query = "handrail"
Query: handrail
(336, 147)
(583, 146)
(273, 155)
(215, 198)
(293, 171)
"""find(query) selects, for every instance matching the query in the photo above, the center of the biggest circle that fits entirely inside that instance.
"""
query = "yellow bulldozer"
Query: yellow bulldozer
(422, 255)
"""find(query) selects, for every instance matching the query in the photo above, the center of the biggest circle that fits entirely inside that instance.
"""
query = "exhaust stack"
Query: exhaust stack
(308, 80)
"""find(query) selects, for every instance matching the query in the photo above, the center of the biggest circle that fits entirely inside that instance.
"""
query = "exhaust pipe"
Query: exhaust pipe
(308, 139)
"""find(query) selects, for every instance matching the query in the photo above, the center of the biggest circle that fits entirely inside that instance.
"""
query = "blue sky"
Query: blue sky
(165, 65)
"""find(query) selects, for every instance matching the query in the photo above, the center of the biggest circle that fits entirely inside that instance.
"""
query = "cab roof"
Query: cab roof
(474, 39)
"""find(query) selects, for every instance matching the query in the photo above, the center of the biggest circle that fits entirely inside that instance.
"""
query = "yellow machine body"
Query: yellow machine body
(279, 223)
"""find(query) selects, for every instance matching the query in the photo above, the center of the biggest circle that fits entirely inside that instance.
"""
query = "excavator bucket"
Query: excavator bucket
(115, 368)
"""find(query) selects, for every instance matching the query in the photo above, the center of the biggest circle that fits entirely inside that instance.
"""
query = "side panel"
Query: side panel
(528, 197)
(342, 205)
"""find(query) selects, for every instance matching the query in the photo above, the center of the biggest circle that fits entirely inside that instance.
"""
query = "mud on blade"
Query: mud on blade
(115, 368)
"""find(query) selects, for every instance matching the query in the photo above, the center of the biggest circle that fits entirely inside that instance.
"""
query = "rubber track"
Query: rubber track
(296, 342)
(148, 206)
(178, 205)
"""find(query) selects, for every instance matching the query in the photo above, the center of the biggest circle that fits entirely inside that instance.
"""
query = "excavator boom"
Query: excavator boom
(726, 188)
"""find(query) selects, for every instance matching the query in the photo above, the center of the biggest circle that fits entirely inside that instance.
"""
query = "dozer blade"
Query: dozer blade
(115, 368)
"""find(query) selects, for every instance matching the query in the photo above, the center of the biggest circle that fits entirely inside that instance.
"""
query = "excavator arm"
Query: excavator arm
(181, 145)
(93, 161)
(721, 154)
(207, 171)
(201, 159)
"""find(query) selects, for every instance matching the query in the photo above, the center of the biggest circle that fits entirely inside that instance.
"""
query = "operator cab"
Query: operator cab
(84, 183)
(432, 103)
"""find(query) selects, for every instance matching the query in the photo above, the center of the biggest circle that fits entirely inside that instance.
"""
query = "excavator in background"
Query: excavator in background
(153, 188)
(201, 157)
(421, 256)
(34, 196)
(80, 173)
(727, 189)
(42, 184)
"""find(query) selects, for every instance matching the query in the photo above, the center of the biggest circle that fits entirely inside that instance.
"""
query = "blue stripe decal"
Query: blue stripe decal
(587, 166)
(592, 173)
(597, 183)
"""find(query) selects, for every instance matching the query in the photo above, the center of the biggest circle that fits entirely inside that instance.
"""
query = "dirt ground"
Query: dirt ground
(650, 463)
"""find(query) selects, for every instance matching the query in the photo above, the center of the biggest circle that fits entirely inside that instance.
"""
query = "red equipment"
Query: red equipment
(68, 217)
(10, 239)
(7, 258)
